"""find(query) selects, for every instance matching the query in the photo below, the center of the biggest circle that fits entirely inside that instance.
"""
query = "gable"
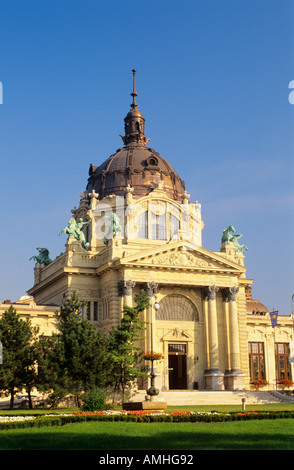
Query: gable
(183, 255)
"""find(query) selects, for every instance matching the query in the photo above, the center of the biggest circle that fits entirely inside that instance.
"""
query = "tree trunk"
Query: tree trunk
(30, 400)
(11, 399)
(78, 401)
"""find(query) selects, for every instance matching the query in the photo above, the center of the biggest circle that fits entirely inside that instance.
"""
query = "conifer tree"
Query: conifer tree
(20, 355)
(82, 359)
(125, 348)
(52, 378)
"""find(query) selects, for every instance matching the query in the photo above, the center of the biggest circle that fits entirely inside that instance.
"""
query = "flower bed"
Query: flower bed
(140, 416)
(14, 419)
(182, 416)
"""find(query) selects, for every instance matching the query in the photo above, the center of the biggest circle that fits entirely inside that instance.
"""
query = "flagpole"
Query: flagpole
(292, 342)
(276, 371)
(292, 298)
(274, 322)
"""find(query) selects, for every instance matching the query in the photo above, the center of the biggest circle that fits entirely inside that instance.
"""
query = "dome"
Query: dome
(135, 165)
(140, 167)
(253, 306)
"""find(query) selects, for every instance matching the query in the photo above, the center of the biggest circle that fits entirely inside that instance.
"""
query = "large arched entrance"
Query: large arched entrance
(176, 309)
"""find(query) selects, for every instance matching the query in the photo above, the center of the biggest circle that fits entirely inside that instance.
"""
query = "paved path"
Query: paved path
(189, 397)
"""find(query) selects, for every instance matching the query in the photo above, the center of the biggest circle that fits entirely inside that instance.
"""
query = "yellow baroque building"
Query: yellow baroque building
(135, 228)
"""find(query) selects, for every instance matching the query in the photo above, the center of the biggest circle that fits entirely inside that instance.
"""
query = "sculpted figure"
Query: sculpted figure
(75, 230)
(114, 227)
(229, 236)
(43, 256)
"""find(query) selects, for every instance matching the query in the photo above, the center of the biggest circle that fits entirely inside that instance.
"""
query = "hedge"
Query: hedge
(139, 417)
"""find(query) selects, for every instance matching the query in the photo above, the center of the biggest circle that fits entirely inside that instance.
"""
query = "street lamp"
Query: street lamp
(152, 391)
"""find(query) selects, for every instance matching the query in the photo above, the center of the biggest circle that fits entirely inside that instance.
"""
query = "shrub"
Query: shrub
(94, 400)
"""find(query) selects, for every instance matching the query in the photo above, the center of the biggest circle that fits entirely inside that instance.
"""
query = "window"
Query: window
(174, 226)
(158, 223)
(87, 232)
(283, 370)
(143, 225)
(256, 361)
(95, 311)
(177, 348)
(176, 308)
(89, 311)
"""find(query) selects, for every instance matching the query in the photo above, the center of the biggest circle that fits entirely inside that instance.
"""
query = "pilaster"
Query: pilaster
(213, 376)
(151, 289)
(234, 377)
(125, 290)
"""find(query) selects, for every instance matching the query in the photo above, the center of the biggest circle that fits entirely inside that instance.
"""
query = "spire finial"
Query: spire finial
(134, 94)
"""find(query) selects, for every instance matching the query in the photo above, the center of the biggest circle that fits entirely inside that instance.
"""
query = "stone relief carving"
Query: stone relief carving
(176, 335)
(179, 334)
(182, 258)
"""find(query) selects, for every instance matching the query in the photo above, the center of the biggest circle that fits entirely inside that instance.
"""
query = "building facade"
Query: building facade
(136, 228)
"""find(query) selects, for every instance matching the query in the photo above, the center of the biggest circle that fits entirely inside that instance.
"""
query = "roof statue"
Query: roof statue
(114, 227)
(75, 230)
(43, 256)
(229, 236)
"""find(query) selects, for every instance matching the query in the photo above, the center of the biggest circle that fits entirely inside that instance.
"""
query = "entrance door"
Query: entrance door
(177, 364)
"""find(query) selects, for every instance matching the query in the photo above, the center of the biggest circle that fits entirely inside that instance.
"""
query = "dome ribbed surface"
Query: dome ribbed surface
(141, 168)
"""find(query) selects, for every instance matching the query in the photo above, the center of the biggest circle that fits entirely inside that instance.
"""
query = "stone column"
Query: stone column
(151, 289)
(125, 289)
(209, 297)
(213, 376)
(234, 376)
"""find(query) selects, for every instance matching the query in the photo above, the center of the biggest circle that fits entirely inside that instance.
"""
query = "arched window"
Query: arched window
(177, 308)
(174, 226)
(158, 224)
(87, 231)
(142, 231)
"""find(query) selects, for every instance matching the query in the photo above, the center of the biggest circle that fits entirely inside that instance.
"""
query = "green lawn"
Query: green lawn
(275, 434)
(249, 435)
(222, 408)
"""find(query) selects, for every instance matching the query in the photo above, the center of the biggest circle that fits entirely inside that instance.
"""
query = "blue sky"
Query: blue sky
(212, 82)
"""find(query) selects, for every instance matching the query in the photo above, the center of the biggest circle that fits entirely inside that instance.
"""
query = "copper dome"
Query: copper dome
(254, 306)
(140, 167)
(135, 165)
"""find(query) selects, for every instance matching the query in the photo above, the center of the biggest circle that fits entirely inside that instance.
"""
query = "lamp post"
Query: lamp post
(152, 391)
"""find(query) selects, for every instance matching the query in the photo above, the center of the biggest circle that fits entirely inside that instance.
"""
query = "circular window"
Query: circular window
(152, 161)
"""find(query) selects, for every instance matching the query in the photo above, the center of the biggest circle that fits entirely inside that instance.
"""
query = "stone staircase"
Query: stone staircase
(196, 397)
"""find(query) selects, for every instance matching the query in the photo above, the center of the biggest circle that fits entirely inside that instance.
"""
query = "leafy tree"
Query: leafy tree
(20, 355)
(124, 345)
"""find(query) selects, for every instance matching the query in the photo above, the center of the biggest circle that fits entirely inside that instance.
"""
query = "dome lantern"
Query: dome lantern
(134, 122)
(135, 165)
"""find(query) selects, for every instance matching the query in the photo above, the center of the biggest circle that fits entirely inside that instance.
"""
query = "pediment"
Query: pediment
(177, 334)
(186, 256)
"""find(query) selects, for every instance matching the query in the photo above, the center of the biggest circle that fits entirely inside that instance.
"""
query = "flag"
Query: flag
(274, 318)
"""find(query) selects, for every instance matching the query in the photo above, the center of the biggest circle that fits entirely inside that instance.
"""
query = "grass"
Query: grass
(250, 435)
(221, 408)
(275, 434)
